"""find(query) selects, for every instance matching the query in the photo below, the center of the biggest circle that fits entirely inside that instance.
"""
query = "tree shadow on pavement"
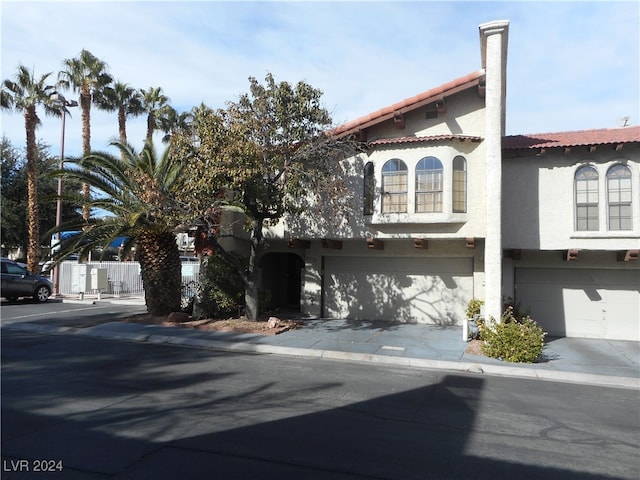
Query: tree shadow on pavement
(157, 412)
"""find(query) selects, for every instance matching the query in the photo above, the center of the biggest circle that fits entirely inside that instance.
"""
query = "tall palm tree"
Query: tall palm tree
(171, 123)
(124, 99)
(23, 94)
(86, 75)
(139, 191)
(153, 102)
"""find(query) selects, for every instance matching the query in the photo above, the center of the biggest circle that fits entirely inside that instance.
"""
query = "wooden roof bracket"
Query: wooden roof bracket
(422, 243)
(628, 256)
(375, 244)
(571, 255)
(398, 120)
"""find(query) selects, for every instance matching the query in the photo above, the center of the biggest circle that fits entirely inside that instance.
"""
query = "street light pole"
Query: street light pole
(57, 97)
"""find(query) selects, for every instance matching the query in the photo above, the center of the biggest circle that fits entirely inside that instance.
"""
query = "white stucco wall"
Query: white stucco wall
(539, 201)
(464, 116)
(493, 39)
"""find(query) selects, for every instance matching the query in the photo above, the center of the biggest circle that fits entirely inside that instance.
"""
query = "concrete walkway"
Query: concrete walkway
(575, 360)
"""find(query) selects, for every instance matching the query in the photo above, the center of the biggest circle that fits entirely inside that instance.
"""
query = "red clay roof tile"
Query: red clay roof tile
(430, 138)
(410, 103)
(572, 139)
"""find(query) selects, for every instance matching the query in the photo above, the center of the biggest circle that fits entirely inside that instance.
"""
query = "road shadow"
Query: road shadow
(125, 412)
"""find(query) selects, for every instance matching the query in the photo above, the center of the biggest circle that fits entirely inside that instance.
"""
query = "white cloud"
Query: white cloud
(571, 65)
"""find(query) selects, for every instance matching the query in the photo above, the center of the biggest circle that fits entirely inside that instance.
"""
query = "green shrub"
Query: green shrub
(221, 287)
(473, 307)
(515, 339)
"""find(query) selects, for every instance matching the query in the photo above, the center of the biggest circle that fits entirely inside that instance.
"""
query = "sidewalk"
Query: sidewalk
(575, 360)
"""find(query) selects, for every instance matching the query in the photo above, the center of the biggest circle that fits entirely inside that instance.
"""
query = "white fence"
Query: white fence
(123, 278)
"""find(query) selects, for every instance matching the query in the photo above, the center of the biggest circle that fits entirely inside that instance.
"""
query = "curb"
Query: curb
(217, 345)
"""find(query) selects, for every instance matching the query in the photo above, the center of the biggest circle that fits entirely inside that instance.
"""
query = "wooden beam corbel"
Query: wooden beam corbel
(567, 150)
(332, 244)
(619, 147)
(628, 256)
(398, 120)
(470, 242)
(422, 243)
(441, 106)
(375, 244)
(571, 255)
(592, 148)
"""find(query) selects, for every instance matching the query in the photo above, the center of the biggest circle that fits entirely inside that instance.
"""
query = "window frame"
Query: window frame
(429, 185)
(619, 191)
(459, 186)
(584, 187)
(394, 200)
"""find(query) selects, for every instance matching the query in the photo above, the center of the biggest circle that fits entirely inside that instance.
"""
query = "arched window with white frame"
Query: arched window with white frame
(429, 173)
(619, 197)
(394, 186)
(586, 199)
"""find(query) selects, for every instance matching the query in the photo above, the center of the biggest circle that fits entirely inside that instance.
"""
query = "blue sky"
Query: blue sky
(571, 65)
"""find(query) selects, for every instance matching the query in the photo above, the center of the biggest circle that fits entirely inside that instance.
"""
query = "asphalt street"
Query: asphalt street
(89, 408)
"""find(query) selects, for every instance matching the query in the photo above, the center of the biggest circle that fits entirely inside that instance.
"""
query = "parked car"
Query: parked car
(18, 282)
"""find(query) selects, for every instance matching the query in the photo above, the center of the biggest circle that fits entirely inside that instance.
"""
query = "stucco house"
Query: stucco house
(446, 208)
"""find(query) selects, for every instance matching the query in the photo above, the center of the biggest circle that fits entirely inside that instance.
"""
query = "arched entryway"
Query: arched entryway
(282, 279)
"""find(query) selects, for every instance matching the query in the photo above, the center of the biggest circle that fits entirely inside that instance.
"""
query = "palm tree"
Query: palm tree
(86, 75)
(154, 102)
(138, 191)
(125, 100)
(24, 94)
(172, 123)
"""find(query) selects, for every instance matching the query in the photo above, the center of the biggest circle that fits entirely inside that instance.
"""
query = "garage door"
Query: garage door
(415, 290)
(592, 303)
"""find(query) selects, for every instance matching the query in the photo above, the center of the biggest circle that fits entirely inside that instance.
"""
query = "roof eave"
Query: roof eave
(412, 103)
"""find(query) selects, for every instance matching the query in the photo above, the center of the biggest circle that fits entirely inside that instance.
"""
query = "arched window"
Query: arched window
(394, 187)
(429, 185)
(369, 188)
(586, 188)
(459, 184)
(619, 197)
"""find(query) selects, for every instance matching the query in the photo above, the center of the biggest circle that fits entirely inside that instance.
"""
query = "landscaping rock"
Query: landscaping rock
(273, 322)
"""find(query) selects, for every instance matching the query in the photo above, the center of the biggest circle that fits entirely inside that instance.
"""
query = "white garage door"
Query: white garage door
(414, 290)
(592, 303)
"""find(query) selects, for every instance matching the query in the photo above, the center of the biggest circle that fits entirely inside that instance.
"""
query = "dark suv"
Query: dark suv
(18, 282)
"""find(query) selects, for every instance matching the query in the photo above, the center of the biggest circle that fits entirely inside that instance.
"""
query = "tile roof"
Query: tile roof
(411, 103)
(572, 139)
(424, 139)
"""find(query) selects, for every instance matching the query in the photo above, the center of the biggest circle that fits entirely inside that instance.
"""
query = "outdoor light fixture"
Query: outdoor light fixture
(59, 98)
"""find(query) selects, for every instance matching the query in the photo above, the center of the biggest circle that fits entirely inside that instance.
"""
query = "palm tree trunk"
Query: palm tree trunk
(122, 124)
(161, 272)
(85, 105)
(151, 126)
(33, 217)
